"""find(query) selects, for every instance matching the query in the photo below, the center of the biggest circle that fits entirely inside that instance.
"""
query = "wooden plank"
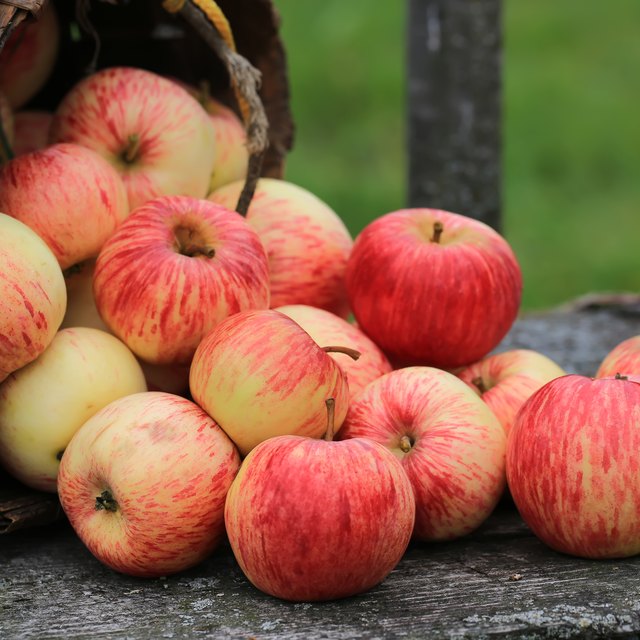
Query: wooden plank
(500, 582)
(454, 111)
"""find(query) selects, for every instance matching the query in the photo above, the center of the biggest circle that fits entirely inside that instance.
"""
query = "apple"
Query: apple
(307, 243)
(623, 358)
(328, 329)
(7, 129)
(312, 520)
(68, 195)
(572, 465)
(31, 131)
(433, 288)
(143, 483)
(506, 380)
(173, 270)
(150, 129)
(232, 155)
(29, 55)
(81, 371)
(449, 442)
(32, 295)
(258, 374)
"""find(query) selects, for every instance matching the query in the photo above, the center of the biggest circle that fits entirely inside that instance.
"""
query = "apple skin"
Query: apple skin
(506, 380)
(311, 520)
(81, 371)
(328, 329)
(258, 374)
(445, 304)
(68, 195)
(161, 303)
(168, 467)
(31, 131)
(33, 296)
(307, 243)
(572, 466)
(454, 449)
(28, 57)
(176, 138)
(623, 358)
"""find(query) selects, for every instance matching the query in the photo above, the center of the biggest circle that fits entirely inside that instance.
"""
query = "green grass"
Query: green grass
(571, 187)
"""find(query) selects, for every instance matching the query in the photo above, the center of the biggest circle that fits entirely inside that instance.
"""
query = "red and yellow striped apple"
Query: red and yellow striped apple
(29, 55)
(307, 243)
(624, 358)
(32, 295)
(258, 374)
(328, 329)
(432, 287)
(573, 468)
(81, 371)
(505, 381)
(312, 520)
(31, 131)
(173, 270)
(68, 195)
(150, 129)
(449, 442)
(144, 482)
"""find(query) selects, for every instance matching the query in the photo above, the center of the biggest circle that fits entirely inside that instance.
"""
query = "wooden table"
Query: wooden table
(499, 582)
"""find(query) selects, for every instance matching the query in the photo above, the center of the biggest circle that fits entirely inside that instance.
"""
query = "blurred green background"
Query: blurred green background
(571, 162)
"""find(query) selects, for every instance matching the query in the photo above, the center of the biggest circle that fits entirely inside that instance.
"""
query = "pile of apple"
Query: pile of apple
(180, 374)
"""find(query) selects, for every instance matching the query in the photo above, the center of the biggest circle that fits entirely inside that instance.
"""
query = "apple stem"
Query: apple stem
(352, 353)
(205, 93)
(132, 149)
(406, 444)
(193, 250)
(106, 501)
(331, 414)
(438, 228)
(6, 152)
(619, 376)
(479, 383)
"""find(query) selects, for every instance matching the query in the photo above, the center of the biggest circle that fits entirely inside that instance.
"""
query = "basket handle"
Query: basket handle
(209, 20)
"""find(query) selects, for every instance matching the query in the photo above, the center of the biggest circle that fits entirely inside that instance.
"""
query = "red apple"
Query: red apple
(258, 374)
(506, 380)
(173, 270)
(143, 483)
(28, 57)
(32, 295)
(156, 135)
(449, 442)
(313, 520)
(68, 195)
(31, 131)
(433, 287)
(307, 243)
(572, 466)
(328, 329)
(623, 358)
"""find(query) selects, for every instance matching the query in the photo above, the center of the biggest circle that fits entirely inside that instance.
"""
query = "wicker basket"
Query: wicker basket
(141, 33)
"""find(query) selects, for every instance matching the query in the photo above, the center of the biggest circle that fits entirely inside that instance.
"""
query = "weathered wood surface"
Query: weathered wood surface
(454, 106)
(499, 582)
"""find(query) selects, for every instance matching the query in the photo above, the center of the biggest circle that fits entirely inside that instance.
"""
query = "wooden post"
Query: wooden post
(454, 114)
